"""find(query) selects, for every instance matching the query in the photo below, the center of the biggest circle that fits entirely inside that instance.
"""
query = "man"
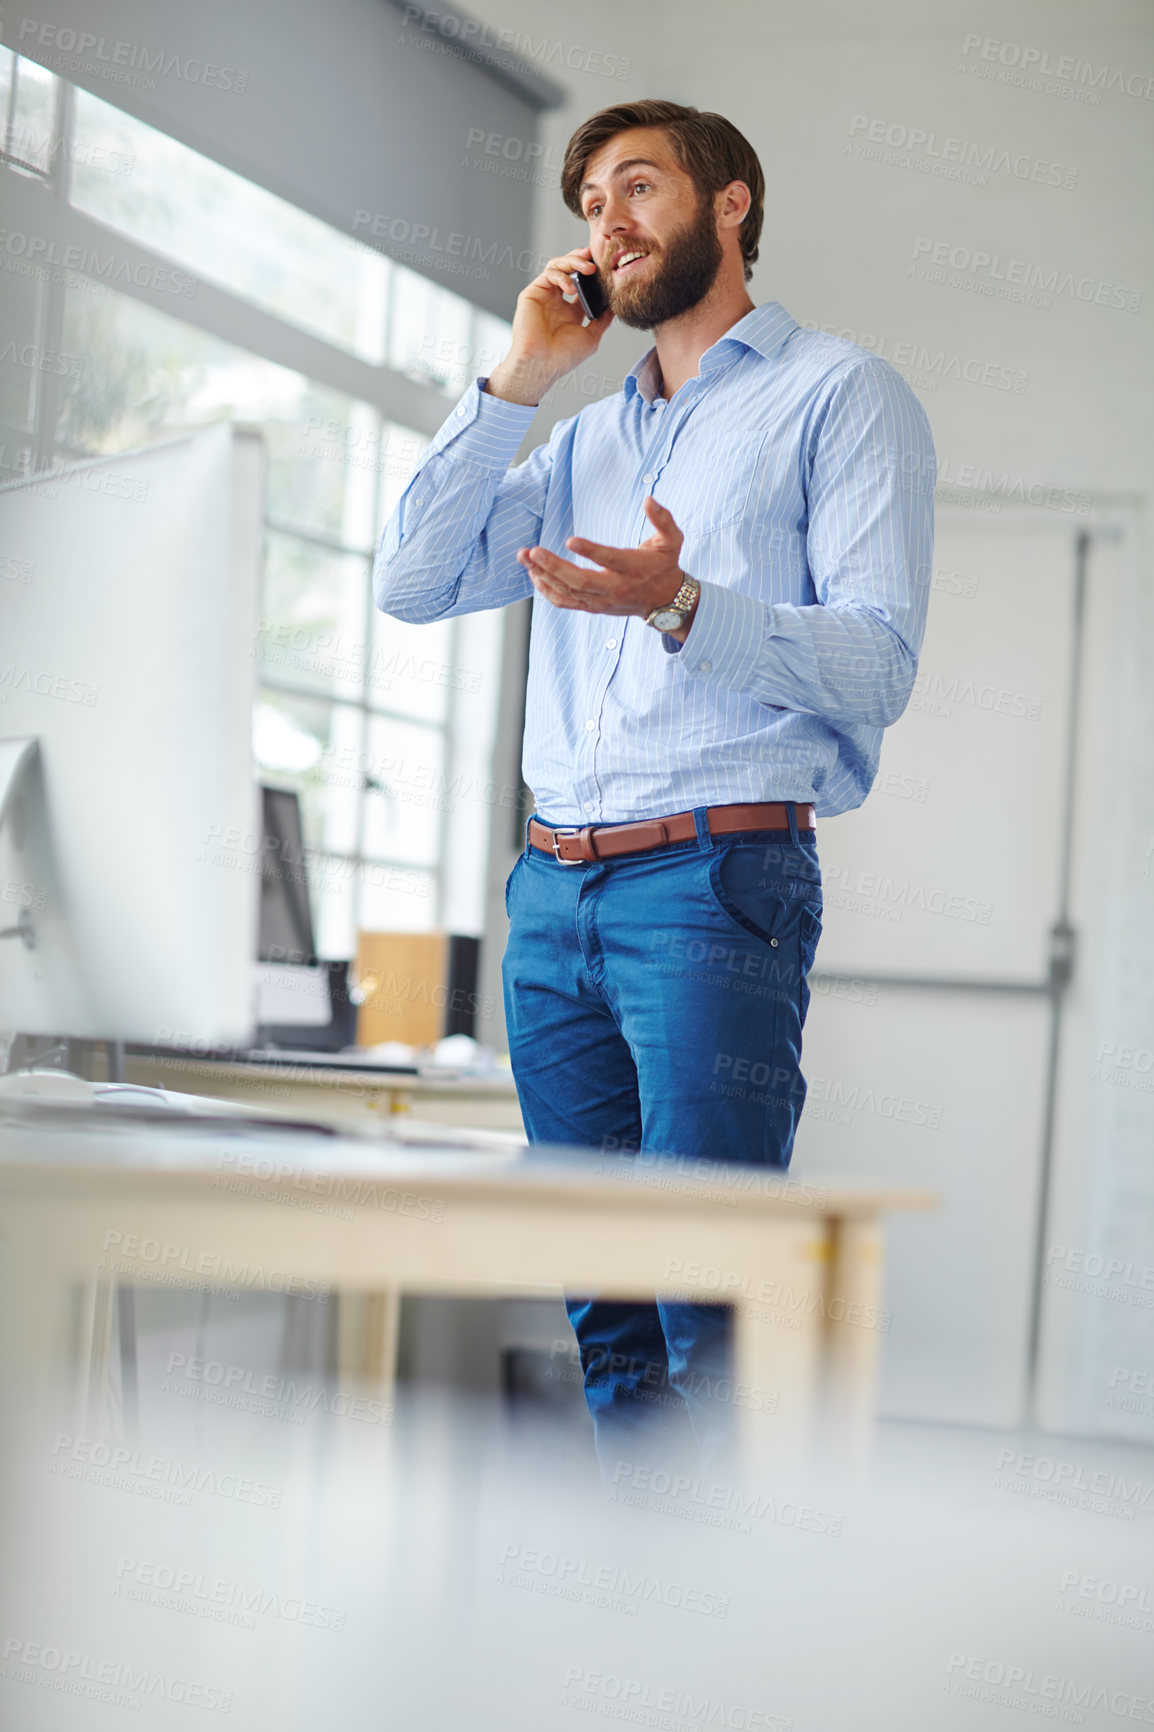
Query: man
(731, 559)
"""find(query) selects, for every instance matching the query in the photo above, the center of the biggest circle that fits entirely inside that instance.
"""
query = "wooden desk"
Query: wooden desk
(359, 1100)
(88, 1203)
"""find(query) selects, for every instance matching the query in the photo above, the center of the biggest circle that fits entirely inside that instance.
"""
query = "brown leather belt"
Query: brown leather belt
(606, 841)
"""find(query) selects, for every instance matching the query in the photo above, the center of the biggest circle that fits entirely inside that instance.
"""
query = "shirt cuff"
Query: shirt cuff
(484, 429)
(723, 645)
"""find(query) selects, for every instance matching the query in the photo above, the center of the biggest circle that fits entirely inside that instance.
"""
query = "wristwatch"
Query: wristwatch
(674, 614)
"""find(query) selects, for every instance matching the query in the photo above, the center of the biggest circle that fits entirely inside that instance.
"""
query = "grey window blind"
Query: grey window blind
(369, 114)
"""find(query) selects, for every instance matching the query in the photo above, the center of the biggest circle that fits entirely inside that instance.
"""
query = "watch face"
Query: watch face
(668, 619)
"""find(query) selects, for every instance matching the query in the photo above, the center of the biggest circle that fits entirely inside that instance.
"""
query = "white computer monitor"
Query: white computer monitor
(127, 656)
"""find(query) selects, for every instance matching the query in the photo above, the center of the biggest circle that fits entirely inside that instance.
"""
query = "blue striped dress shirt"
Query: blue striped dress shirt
(801, 471)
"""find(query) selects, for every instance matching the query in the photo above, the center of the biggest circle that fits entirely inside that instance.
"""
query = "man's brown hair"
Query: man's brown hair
(707, 146)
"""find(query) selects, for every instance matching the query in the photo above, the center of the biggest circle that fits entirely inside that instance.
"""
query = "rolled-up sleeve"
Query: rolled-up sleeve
(851, 655)
(450, 545)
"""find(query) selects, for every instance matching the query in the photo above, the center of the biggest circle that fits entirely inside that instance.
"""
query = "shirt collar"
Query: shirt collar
(765, 329)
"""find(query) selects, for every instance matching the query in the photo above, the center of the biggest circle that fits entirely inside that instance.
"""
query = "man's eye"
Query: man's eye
(637, 185)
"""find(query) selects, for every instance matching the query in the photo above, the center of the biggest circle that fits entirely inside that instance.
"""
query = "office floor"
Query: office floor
(453, 1565)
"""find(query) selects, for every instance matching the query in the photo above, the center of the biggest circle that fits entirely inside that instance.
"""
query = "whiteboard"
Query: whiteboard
(951, 868)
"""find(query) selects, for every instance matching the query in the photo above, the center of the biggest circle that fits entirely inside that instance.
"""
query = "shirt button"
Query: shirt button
(659, 402)
(704, 667)
(589, 727)
(418, 502)
(610, 643)
(463, 409)
(647, 479)
(588, 806)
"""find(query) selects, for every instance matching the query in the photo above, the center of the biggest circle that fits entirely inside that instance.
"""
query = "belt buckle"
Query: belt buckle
(557, 836)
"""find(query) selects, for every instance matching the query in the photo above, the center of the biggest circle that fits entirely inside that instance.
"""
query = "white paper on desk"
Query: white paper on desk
(388, 1052)
(461, 1054)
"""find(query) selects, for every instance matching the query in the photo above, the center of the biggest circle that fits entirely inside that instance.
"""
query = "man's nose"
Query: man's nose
(614, 218)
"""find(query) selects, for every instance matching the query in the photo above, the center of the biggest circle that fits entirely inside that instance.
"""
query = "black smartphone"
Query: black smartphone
(590, 292)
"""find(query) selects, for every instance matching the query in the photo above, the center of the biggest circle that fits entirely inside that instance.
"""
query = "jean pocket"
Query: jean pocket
(519, 861)
(810, 933)
(747, 883)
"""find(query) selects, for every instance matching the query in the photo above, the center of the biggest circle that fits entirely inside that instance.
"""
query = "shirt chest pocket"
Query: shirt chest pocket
(710, 485)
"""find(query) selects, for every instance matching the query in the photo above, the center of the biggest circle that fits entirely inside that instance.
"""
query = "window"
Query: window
(370, 720)
(228, 231)
(29, 100)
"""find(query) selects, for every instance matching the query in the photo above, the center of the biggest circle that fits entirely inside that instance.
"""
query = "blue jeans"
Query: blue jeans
(654, 1005)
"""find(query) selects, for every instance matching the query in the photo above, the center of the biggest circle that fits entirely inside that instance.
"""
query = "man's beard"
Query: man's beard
(682, 274)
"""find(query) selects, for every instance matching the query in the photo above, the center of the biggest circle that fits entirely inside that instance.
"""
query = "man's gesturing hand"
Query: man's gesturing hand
(626, 579)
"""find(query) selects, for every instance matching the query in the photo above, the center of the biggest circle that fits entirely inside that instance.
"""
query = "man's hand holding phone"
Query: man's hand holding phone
(550, 335)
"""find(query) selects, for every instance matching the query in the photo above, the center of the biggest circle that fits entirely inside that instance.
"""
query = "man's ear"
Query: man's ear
(736, 188)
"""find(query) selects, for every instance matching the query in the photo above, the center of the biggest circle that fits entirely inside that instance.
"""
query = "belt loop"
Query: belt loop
(528, 845)
(701, 825)
(791, 814)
